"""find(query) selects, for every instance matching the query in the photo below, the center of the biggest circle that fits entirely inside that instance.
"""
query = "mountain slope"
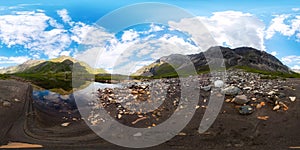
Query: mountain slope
(20, 68)
(63, 64)
(243, 57)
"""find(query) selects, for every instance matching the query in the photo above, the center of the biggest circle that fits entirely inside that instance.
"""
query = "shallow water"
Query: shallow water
(52, 102)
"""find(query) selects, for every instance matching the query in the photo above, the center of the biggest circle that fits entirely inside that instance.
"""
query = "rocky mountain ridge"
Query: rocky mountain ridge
(241, 58)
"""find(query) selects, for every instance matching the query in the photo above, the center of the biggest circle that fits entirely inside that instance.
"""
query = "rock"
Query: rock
(119, 116)
(247, 88)
(263, 117)
(206, 88)
(6, 104)
(292, 98)
(65, 124)
(272, 93)
(138, 134)
(277, 107)
(219, 83)
(182, 134)
(258, 106)
(228, 100)
(241, 99)
(246, 110)
(281, 95)
(232, 90)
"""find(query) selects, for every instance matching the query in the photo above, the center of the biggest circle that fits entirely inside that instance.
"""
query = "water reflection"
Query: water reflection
(64, 105)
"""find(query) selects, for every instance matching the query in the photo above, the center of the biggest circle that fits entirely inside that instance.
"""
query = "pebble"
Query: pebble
(138, 134)
(182, 134)
(206, 88)
(6, 104)
(277, 107)
(246, 110)
(241, 99)
(219, 83)
(65, 124)
(292, 98)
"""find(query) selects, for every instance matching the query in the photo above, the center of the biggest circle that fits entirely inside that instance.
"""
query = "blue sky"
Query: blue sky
(47, 29)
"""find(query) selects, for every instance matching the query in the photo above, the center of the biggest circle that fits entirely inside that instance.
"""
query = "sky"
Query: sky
(94, 31)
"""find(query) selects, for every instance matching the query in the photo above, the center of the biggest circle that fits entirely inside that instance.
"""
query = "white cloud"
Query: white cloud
(65, 17)
(295, 9)
(293, 59)
(28, 29)
(274, 53)
(296, 67)
(40, 34)
(13, 60)
(129, 35)
(286, 24)
(231, 28)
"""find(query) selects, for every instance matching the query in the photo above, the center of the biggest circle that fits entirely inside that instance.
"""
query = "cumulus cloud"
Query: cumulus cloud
(230, 28)
(274, 53)
(285, 24)
(65, 17)
(13, 60)
(129, 35)
(293, 59)
(41, 34)
(28, 29)
(296, 67)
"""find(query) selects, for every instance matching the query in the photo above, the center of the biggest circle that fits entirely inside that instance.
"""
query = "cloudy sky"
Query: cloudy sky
(44, 30)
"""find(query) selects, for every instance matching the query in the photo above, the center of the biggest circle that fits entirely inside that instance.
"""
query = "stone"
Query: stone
(272, 93)
(292, 98)
(277, 107)
(206, 88)
(65, 124)
(182, 134)
(6, 104)
(219, 83)
(246, 110)
(138, 134)
(241, 99)
(232, 90)
(281, 95)
(263, 117)
(247, 88)
(17, 100)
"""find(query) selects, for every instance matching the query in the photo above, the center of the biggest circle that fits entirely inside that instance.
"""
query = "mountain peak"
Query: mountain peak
(63, 58)
(242, 57)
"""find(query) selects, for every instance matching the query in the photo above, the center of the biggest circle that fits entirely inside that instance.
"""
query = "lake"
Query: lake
(61, 103)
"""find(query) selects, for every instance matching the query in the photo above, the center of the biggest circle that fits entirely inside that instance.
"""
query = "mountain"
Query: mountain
(296, 70)
(63, 64)
(21, 68)
(243, 58)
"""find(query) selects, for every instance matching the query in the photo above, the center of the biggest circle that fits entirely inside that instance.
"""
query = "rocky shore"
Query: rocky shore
(257, 113)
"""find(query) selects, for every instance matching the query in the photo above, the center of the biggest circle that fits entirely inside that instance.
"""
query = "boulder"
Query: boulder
(241, 99)
(232, 90)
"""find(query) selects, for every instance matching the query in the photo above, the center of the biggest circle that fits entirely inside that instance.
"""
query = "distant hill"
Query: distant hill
(242, 58)
(63, 64)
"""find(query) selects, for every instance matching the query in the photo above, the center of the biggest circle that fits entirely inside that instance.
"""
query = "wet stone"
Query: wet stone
(246, 110)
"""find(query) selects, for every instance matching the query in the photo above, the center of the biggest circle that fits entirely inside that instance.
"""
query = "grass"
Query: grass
(269, 74)
(4, 76)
